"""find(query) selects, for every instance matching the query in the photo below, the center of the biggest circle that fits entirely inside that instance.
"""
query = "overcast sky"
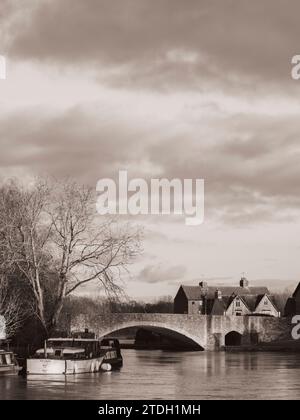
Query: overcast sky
(169, 88)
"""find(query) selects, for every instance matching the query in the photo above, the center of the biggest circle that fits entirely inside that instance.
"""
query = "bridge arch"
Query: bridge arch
(169, 331)
(233, 338)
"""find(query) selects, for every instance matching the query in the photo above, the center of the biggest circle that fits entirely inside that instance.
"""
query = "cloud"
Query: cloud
(159, 273)
(78, 142)
(250, 166)
(162, 44)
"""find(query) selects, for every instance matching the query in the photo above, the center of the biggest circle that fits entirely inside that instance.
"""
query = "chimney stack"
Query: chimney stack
(203, 284)
(244, 282)
(218, 294)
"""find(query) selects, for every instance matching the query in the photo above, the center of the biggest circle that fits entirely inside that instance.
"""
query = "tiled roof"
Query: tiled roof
(251, 301)
(218, 307)
(250, 295)
(192, 292)
(196, 292)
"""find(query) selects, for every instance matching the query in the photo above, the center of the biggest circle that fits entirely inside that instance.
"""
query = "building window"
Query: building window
(193, 303)
(266, 302)
(238, 303)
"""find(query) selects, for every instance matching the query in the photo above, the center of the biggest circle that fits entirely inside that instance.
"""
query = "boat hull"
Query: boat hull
(63, 367)
(9, 370)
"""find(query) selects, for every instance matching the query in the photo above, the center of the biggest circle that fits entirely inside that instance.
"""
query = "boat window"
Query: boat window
(8, 359)
(110, 355)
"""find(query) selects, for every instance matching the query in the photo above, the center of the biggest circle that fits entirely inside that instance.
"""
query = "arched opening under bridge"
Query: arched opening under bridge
(233, 338)
(154, 337)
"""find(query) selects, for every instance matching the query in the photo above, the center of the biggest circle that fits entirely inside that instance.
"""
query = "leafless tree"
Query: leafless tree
(24, 235)
(11, 309)
(54, 229)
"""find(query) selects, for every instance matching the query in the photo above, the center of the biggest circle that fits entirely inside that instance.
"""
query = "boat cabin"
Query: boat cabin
(69, 348)
(8, 363)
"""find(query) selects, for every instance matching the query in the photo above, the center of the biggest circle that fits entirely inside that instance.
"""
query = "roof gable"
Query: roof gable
(297, 291)
(270, 299)
(196, 292)
(233, 298)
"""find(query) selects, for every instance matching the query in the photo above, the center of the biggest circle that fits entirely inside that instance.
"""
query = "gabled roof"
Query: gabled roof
(251, 301)
(271, 299)
(218, 307)
(296, 291)
(244, 299)
(251, 297)
(196, 292)
(192, 292)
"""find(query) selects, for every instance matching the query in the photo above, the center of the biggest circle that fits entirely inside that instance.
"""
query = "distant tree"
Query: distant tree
(281, 298)
(162, 305)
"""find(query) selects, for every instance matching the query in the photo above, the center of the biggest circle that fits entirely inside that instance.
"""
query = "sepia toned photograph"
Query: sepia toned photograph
(149, 202)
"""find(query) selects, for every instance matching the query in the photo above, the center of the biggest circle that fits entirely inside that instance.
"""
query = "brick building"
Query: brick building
(212, 300)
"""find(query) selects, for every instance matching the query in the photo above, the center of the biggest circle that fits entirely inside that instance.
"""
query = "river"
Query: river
(173, 375)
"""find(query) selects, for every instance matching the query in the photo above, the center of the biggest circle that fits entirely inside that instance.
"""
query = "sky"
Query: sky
(166, 89)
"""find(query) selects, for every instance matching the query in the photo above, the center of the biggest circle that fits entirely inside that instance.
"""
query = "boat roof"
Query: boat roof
(73, 339)
(110, 338)
(65, 350)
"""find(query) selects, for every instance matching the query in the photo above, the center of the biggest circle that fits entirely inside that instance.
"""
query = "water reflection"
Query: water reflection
(171, 375)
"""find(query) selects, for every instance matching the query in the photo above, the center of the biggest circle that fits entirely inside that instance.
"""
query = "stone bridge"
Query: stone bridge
(206, 332)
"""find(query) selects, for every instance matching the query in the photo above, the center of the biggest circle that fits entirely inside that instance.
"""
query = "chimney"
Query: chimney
(218, 294)
(244, 282)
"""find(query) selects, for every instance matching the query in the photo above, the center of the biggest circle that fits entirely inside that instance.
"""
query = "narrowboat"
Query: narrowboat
(8, 363)
(113, 358)
(66, 356)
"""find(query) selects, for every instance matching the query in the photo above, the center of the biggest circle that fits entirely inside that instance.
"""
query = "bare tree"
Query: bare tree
(85, 247)
(11, 309)
(55, 230)
(24, 235)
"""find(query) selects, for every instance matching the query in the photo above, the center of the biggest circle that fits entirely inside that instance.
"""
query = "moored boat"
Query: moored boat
(66, 356)
(113, 358)
(8, 363)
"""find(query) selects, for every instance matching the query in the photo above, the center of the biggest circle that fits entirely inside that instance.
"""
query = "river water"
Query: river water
(173, 375)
